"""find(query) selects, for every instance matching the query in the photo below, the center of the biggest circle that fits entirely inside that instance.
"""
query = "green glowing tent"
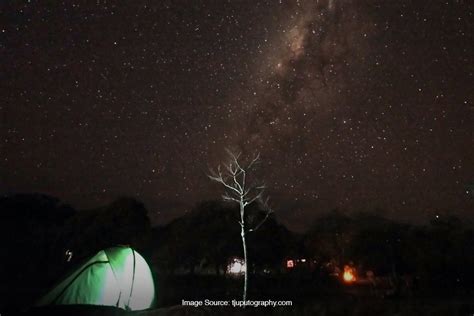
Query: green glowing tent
(117, 276)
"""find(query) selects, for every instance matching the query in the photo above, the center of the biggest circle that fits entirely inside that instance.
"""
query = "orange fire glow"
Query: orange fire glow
(349, 275)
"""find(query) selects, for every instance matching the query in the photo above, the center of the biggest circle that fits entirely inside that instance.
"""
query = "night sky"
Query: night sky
(354, 104)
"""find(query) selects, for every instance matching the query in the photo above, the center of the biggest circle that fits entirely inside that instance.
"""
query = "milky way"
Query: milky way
(357, 104)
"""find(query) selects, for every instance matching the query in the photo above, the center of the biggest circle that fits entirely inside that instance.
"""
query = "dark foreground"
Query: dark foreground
(342, 307)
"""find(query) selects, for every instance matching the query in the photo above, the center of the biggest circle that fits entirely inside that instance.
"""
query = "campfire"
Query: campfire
(349, 274)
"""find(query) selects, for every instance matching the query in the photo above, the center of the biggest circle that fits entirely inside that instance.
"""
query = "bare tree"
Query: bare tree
(238, 189)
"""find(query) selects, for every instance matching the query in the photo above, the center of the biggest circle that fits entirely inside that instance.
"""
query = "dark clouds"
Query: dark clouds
(353, 104)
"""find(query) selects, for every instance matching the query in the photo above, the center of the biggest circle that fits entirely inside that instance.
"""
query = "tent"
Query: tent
(117, 276)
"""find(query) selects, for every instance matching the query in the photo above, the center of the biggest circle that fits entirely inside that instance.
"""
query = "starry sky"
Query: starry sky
(354, 104)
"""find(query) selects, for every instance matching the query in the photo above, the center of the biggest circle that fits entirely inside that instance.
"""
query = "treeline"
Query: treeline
(437, 257)
(207, 237)
(43, 238)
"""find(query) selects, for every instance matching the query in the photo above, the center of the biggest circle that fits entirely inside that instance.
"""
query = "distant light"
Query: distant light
(290, 264)
(303, 260)
(236, 266)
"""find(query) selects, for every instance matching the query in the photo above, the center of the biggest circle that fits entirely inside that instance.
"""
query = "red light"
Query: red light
(290, 264)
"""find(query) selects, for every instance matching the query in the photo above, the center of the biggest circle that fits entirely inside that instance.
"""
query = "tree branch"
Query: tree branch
(268, 212)
(241, 190)
(255, 160)
(217, 176)
(235, 183)
(261, 223)
(257, 197)
(227, 197)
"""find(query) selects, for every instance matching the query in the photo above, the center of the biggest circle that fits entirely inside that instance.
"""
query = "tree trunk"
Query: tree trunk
(244, 246)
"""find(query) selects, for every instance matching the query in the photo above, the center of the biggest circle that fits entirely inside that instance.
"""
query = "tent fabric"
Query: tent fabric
(117, 276)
